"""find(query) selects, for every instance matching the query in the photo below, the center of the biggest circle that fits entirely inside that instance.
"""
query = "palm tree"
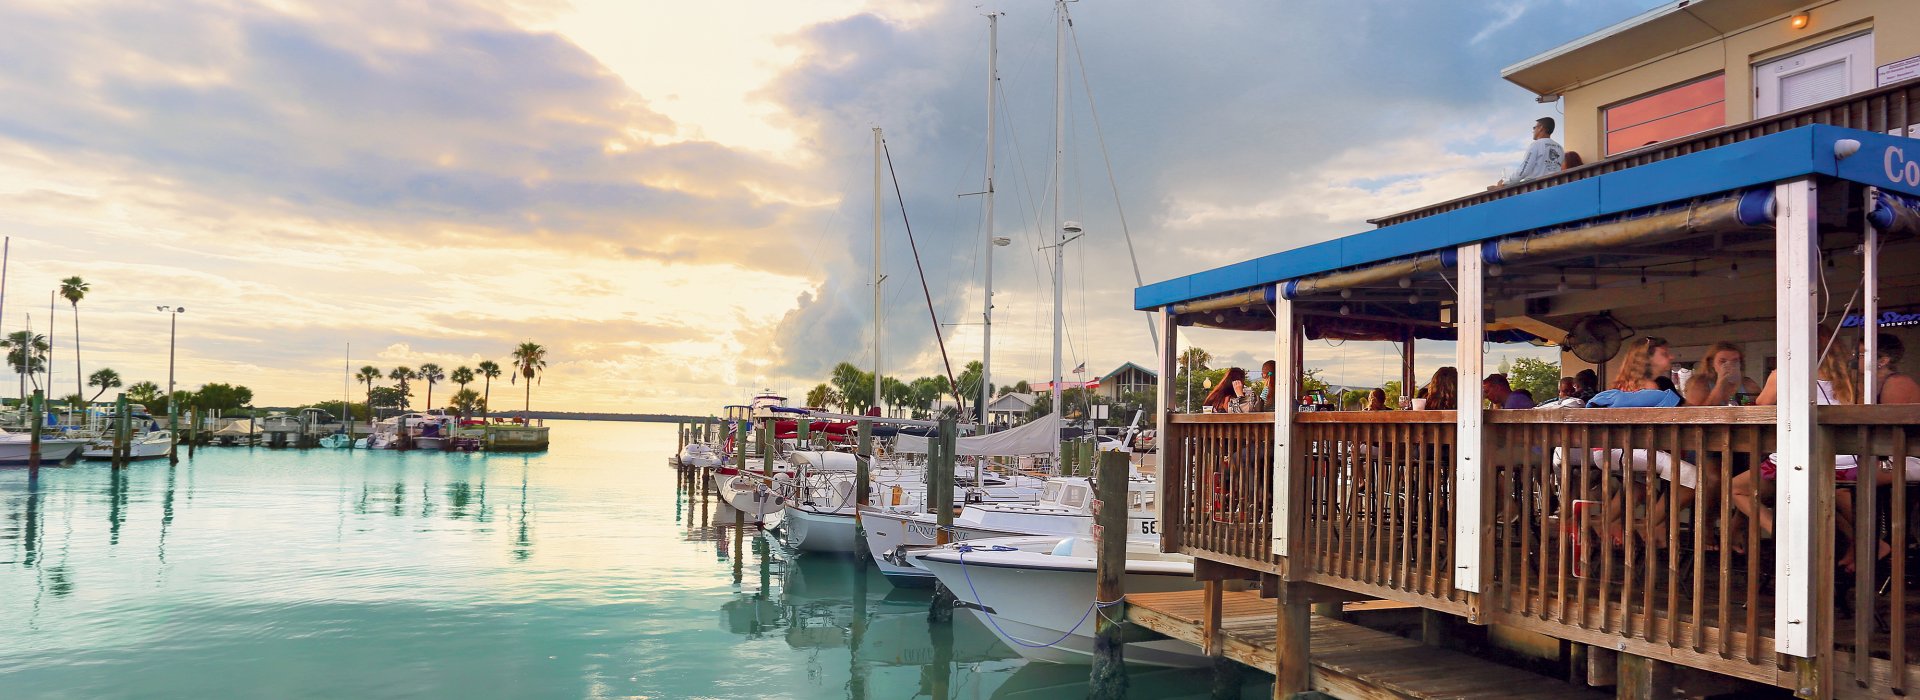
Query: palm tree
(368, 375)
(400, 376)
(105, 378)
(490, 370)
(73, 289)
(431, 374)
(462, 376)
(144, 393)
(27, 354)
(466, 402)
(529, 359)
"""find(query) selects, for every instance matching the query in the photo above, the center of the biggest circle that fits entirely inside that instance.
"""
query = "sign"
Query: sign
(1900, 70)
(1909, 316)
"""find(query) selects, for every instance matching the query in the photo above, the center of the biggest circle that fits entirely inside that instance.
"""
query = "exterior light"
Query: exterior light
(1563, 282)
(1494, 270)
(1844, 148)
(1345, 310)
(1733, 272)
(1346, 294)
(1406, 283)
(1799, 21)
(1413, 298)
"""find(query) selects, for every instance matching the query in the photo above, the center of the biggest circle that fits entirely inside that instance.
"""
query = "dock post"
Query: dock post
(863, 481)
(940, 504)
(1642, 678)
(803, 432)
(193, 430)
(39, 419)
(1293, 643)
(121, 421)
(1109, 674)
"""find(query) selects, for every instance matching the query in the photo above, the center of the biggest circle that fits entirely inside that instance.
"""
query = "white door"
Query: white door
(1813, 76)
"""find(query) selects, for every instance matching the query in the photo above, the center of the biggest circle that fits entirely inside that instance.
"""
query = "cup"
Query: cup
(1419, 404)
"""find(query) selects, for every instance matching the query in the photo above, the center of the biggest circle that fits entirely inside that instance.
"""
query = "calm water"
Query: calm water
(584, 572)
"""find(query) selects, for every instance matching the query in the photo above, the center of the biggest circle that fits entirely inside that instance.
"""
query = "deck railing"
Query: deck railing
(1872, 603)
(1217, 472)
(1892, 109)
(1379, 504)
(1594, 541)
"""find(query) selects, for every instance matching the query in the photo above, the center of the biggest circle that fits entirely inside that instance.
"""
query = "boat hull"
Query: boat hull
(822, 532)
(51, 451)
(1042, 613)
(136, 451)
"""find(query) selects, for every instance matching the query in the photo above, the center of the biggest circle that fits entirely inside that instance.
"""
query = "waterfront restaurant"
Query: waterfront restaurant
(1616, 542)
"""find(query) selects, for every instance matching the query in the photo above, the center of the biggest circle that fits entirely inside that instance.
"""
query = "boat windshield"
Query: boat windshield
(1051, 494)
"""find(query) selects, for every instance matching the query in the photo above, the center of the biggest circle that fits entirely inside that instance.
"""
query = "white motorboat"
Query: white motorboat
(431, 432)
(1036, 593)
(1065, 508)
(699, 455)
(148, 445)
(16, 448)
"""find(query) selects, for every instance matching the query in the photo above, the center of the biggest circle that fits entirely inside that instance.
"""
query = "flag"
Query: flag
(1082, 369)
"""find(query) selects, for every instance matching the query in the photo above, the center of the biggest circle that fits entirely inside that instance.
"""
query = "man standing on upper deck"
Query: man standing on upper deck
(1544, 156)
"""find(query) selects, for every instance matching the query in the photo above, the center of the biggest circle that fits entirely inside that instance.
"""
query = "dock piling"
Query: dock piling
(940, 461)
(39, 419)
(1108, 677)
(121, 422)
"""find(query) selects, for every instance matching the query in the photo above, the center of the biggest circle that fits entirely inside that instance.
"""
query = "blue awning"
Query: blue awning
(1888, 162)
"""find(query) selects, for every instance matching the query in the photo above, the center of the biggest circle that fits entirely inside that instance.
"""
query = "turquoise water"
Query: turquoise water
(584, 572)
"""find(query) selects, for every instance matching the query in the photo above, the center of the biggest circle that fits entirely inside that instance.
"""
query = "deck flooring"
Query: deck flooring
(1349, 661)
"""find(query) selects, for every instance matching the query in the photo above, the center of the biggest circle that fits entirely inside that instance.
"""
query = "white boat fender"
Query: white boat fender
(1063, 548)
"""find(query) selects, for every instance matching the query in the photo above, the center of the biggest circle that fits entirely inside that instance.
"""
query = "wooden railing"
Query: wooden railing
(1892, 109)
(1870, 630)
(1380, 504)
(1217, 476)
(1593, 540)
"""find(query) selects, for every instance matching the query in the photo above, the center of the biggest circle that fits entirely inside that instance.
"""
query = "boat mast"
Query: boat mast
(986, 314)
(1059, 157)
(877, 278)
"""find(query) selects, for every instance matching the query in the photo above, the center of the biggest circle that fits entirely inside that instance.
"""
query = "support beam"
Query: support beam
(1870, 307)
(1289, 522)
(1163, 423)
(1293, 646)
(1796, 279)
(1641, 678)
(1471, 486)
(1108, 676)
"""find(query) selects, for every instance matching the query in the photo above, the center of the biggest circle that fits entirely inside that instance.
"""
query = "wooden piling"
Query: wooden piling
(803, 431)
(39, 419)
(193, 431)
(1108, 677)
(941, 474)
(121, 423)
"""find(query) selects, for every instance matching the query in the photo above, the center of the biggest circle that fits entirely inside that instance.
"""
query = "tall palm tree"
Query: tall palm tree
(462, 376)
(73, 289)
(401, 375)
(490, 370)
(368, 375)
(144, 393)
(27, 354)
(431, 374)
(529, 359)
(105, 378)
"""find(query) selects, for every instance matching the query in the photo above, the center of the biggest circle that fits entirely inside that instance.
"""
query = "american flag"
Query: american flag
(1082, 369)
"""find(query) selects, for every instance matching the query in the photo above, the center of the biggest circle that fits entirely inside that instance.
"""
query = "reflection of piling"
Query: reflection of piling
(857, 635)
(1109, 674)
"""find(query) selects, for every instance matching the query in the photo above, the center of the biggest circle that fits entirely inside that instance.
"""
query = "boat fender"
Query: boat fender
(1063, 548)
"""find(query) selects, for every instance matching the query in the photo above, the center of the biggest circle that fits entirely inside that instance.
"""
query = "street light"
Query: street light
(173, 411)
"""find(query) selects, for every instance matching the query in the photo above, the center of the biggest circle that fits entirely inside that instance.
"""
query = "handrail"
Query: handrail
(1394, 417)
(1883, 109)
(1679, 415)
(1213, 418)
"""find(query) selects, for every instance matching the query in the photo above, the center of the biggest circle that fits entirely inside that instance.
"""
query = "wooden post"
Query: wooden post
(1473, 487)
(803, 432)
(1641, 678)
(943, 508)
(1109, 675)
(39, 419)
(766, 448)
(863, 469)
(1293, 644)
(121, 422)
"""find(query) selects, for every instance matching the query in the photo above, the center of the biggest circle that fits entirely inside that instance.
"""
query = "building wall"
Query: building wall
(1896, 30)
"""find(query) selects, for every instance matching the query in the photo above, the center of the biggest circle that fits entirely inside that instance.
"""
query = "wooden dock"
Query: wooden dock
(1348, 661)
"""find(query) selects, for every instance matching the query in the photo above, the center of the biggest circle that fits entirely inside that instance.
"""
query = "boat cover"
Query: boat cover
(1042, 436)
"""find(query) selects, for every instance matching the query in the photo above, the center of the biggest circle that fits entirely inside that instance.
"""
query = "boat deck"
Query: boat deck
(1349, 661)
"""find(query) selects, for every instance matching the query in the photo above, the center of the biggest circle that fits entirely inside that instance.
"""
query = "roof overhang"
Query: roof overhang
(1662, 30)
(1889, 162)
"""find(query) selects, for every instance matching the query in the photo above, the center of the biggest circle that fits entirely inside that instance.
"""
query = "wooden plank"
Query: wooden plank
(1678, 415)
(1219, 418)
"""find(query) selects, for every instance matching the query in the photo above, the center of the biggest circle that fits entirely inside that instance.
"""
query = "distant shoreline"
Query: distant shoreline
(621, 417)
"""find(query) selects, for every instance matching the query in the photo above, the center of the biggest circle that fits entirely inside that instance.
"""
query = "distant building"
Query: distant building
(1008, 409)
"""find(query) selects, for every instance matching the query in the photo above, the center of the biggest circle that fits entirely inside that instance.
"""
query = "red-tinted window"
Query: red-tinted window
(1671, 113)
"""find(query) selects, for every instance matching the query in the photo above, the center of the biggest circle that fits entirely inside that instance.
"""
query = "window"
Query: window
(1671, 113)
(1827, 72)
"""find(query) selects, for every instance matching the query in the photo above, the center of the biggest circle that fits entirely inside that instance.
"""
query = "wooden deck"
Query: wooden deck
(1349, 661)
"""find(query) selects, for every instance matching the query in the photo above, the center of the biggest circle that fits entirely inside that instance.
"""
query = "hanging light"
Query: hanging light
(1563, 282)
(1413, 298)
(1733, 272)
(1406, 283)
(1345, 310)
(1346, 294)
(1494, 270)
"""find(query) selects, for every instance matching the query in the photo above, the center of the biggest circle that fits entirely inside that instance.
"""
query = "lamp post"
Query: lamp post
(173, 411)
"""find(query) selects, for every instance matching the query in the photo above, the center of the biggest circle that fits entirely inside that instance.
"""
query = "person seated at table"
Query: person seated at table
(1568, 397)
(1836, 381)
(1892, 385)
(1263, 401)
(1501, 394)
(1441, 392)
(1230, 395)
(1643, 365)
(1377, 400)
(1645, 362)
(1586, 383)
(1718, 378)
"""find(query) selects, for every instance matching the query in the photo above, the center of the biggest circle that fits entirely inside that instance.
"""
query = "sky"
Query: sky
(676, 199)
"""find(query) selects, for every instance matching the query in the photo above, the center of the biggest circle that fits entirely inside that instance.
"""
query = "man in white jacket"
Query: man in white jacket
(1544, 156)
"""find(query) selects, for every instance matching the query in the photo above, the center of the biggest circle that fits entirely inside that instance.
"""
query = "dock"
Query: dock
(1348, 660)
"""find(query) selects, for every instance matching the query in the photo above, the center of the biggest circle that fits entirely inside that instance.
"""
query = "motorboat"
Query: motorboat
(432, 432)
(16, 448)
(699, 455)
(1065, 508)
(1037, 592)
(152, 444)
